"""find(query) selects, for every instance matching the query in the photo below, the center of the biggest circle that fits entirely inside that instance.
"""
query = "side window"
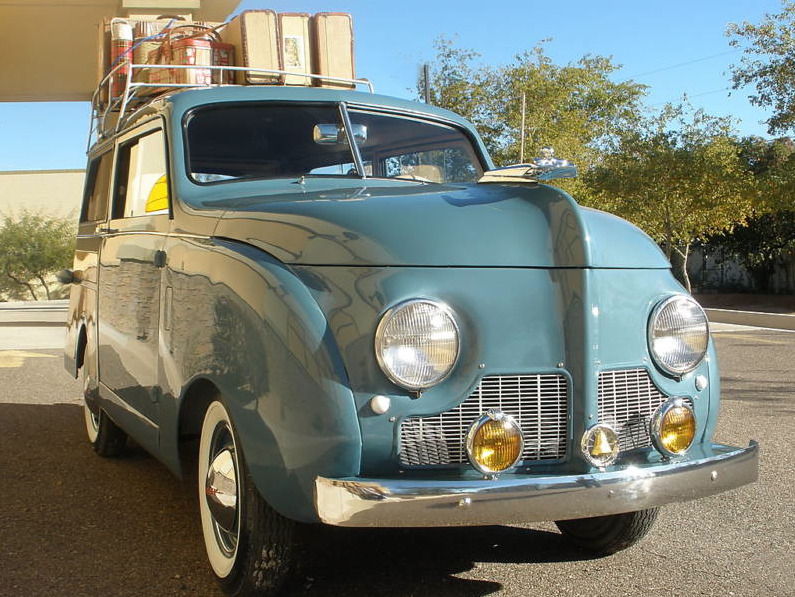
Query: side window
(95, 196)
(141, 182)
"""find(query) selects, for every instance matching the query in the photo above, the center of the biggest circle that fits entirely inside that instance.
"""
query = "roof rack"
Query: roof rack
(110, 113)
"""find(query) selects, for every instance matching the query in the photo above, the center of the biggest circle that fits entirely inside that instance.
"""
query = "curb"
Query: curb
(775, 321)
(34, 314)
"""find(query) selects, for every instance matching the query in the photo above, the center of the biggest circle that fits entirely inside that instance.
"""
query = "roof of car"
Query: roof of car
(184, 100)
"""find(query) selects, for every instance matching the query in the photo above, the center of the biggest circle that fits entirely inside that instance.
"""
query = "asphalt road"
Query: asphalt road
(76, 524)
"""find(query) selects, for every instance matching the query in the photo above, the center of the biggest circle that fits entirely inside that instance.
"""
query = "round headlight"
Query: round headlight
(494, 443)
(678, 334)
(417, 344)
(673, 427)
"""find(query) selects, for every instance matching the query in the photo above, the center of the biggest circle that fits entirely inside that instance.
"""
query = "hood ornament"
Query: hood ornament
(546, 167)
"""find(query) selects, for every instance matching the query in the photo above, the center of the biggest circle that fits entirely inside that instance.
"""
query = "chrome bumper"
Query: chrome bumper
(513, 499)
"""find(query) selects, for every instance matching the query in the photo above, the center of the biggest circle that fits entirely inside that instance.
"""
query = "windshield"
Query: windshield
(286, 141)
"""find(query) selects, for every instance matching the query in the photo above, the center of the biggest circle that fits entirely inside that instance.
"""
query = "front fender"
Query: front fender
(249, 326)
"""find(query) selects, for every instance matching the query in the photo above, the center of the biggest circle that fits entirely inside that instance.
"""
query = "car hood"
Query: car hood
(431, 225)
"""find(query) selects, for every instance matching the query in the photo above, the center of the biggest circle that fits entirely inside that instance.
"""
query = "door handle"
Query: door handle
(109, 230)
(159, 259)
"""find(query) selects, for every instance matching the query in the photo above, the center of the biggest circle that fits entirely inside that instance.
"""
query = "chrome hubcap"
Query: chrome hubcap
(220, 489)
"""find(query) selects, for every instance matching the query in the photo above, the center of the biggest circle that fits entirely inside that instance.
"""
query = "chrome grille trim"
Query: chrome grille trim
(627, 401)
(538, 403)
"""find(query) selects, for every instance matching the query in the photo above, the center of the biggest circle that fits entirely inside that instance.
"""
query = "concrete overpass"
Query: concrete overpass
(48, 49)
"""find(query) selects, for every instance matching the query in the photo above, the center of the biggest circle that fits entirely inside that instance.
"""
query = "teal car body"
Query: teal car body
(268, 291)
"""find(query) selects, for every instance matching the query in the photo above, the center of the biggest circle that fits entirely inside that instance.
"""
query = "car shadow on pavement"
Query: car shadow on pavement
(85, 525)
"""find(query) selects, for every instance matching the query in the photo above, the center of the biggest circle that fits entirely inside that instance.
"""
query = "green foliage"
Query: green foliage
(33, 246)
(577, 108)
(767, 240)
(761, 246)
(768, 63)
(773, 165)
(679, 177)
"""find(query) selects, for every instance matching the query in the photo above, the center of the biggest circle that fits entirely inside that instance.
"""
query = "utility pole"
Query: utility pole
(426, 79)
(521, 148)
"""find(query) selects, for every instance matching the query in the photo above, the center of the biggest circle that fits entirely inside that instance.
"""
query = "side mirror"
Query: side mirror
(67, 276)
(333, 134)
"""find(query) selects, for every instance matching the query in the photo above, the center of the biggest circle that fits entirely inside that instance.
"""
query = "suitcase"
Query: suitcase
(333, 48)
(198, 47)
(254, 33)
(148, 37)
(296, 47)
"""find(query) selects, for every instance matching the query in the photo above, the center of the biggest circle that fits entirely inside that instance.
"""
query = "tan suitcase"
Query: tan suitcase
(254, 33)
(296, 47)
(147, 39)
(333, 48)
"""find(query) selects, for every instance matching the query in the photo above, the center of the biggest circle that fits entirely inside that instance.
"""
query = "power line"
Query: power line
(681, 64)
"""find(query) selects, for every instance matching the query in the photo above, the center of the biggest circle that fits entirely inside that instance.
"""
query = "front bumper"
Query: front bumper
(513, 499)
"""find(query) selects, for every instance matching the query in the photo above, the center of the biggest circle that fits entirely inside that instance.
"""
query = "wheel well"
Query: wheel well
(82, 343)
(194, 404)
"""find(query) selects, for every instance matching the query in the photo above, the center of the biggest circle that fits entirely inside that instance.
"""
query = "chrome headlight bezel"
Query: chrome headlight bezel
(512, 427)
(608, 435)
(381, 330)
(666, 365)
(656, 431)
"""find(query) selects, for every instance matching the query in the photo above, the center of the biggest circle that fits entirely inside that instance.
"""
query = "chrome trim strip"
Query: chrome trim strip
(354, 147)
(419, 502)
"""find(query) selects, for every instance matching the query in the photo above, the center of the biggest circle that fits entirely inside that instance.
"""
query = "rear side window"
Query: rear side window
(141, 182)
(95, 197)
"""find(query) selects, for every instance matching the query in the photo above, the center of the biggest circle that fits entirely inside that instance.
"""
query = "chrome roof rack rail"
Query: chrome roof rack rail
(109, 112)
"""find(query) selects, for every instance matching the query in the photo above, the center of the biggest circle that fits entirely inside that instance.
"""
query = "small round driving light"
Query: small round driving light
(600, 445)
(494, 443)
(673, 427)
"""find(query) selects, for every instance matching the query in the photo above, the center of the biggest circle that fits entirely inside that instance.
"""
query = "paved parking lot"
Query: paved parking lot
(76, 524)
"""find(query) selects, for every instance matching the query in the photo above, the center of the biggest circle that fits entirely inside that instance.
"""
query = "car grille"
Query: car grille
(627, 401)
(538, 403)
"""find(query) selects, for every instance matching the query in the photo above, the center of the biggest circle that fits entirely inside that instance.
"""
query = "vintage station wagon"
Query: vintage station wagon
(336, 302)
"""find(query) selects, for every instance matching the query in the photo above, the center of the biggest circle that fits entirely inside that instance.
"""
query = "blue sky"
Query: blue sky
(675, 47)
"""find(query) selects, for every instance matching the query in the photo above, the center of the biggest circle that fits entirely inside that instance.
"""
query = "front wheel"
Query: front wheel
(608, 534)
(106, 437)
(250, 546)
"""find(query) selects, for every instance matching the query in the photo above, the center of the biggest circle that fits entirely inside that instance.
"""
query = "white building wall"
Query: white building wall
(55, 192)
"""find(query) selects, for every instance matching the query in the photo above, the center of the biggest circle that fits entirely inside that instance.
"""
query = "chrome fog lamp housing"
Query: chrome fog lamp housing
(600, 445)
(673, 427)
(494, 443)
(417, 343)
(678, 334)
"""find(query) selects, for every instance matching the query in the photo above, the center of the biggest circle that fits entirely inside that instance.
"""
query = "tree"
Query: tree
(768, 63)
(679, 177)
(767, 239)
(33, 247)
(577, 108)
(761, 245)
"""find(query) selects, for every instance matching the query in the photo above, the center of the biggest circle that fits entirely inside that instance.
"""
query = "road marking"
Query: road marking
(753, 338)
(16, 358)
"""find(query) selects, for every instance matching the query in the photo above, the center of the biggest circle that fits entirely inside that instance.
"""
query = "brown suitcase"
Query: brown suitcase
(148, 37)
(296, 47)
(333, 48)
(254, 33)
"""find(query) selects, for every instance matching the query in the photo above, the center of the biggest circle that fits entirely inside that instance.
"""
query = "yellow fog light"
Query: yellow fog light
(494, 443)
(673, 427)
(600, 445)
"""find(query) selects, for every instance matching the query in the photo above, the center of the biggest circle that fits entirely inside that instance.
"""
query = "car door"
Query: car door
(130, 270)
